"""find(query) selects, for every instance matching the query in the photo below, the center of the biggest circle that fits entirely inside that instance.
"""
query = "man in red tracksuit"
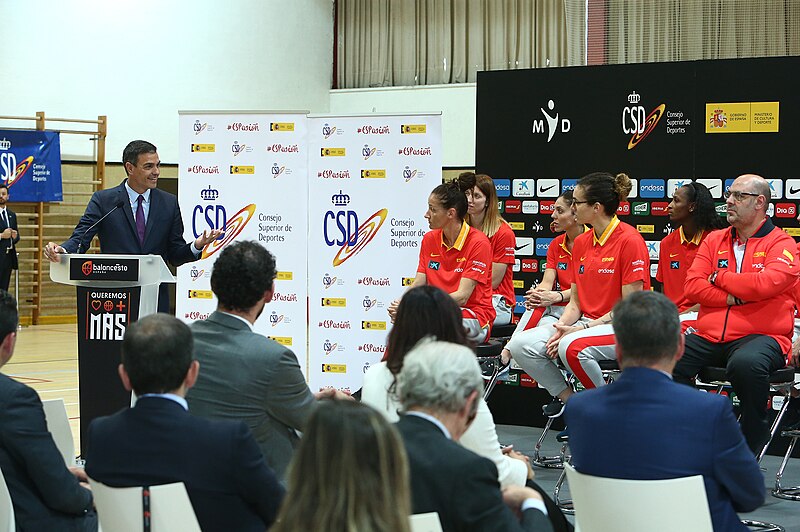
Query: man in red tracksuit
(742, 278)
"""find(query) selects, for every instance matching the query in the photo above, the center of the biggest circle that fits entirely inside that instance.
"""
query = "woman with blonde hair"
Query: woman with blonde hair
(349, 474)
(483, 214)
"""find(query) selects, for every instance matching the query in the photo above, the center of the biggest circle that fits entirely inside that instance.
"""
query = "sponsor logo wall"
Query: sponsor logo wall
(665, 124)
(369, 179)
(247, 173)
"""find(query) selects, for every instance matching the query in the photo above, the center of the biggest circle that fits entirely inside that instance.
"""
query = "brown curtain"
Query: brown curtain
(429, 42)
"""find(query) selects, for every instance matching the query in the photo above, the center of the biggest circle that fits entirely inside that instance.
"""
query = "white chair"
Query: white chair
(120, 509)
(7, 523)
(428, 522)
(55, 413)
(613, 505)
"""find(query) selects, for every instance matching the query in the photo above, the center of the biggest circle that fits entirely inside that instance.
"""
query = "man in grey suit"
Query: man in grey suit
(246, 376)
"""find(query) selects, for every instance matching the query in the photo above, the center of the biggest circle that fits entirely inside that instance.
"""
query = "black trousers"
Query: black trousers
(554, 513)
(748, 362)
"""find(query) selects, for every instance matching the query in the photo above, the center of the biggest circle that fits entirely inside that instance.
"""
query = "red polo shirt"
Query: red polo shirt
(503, 243)
(470, 257)
(602, 266)
(674, 258)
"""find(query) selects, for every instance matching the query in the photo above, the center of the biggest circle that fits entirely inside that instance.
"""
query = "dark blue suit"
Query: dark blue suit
(159, 442)
(646, 427)
(45, 494)
(163, 232)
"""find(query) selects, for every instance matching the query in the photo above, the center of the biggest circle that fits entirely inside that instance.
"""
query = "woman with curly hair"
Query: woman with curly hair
(692, 211)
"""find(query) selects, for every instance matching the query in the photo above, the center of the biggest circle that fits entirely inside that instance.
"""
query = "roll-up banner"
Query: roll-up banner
(369, 180)
(30, 164)
(247, 172)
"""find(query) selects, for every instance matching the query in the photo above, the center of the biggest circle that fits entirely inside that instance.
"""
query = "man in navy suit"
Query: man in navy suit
(646, 427)
(159, 442)
(46, 495)
(8, 238)
(139, 218)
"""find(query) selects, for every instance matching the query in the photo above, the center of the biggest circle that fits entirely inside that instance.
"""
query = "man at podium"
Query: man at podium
(136, 218)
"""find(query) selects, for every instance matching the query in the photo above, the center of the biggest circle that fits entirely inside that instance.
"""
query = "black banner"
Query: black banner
(98, 269)
(663, 124)
(103, 317)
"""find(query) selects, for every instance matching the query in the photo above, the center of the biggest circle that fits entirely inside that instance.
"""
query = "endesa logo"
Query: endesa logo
(513, 206)
(542, 245)
(341, 228)
(568, 184)
(634, 120)
(785, 210)
(659, 208)
(652, 188)
(503, 187)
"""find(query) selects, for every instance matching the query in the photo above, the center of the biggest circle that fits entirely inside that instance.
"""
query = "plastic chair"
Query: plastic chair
(428, 522)
(7, 522)
(121, 509)
(612, 505)
(55, 413)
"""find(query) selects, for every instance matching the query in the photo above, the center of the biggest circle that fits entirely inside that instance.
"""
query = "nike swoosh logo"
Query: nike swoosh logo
(543, 190)
(561, 256)
(673, 255)
(517, 248)
(435, 255)
(712, 188)
(721, 252)
(583, 258)
(793, 190)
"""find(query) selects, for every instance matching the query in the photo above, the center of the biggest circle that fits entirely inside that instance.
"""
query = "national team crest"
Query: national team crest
(86, 267)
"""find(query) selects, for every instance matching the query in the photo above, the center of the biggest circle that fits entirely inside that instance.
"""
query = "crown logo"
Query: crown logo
(209, 194)
(634, 98)
(5, 144)
(341, 199)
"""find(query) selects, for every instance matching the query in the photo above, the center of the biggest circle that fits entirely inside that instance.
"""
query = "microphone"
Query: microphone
(119, 204)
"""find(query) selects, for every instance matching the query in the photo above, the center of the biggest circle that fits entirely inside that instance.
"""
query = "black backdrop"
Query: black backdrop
(602, 111)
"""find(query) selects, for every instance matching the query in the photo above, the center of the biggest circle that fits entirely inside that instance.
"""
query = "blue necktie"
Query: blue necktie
(140, 219)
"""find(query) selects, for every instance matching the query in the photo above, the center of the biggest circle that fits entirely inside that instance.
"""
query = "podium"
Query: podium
(113, 292)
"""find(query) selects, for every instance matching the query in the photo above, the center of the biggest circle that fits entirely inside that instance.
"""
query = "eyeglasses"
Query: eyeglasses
(576, 202)
(739, 196)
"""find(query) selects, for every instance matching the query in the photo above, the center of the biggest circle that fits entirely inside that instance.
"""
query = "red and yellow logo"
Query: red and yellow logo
(649, 125)
(20, 170)
(86, 268)
(365, 233)
(234, 226)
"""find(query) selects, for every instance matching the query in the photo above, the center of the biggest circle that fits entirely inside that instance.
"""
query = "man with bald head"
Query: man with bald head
(742, 278)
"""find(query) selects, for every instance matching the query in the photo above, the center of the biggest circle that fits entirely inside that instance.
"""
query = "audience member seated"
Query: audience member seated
(742, 278)
(546, 301)
(645, 427)
(349, 473)
(458, 259)
(694, 216)
(484, 215)
(45, 494)
(439, 387)
(158, 442)
(427, 310)
(246, 376)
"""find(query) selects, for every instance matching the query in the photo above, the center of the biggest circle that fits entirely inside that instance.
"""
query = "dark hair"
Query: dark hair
(452, 197)
(605, 189)
(9, 315)
(646, 327)
(350, 472)
(134, 149)
(423, 311)
(705, 215)
(241, 275)
(157, 353)
(4, 185)
(466, 181)
(566, 196)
